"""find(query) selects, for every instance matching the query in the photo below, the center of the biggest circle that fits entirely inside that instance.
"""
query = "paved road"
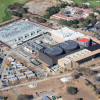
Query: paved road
(38, 81)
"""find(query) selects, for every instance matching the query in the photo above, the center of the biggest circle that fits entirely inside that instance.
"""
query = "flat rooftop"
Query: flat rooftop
(66, 34)
(87, 55)
(16, 30)
(78, 54)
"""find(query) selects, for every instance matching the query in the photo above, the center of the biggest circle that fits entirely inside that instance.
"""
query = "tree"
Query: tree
(69, 23)
(75, 21)
(87, 21)
(93, 21)
(75, 26)
(16, 5)
(15, 13)
(72, 90)
(75, 5)
(62, 22)
(22, 97)
(50, 11)
(81, 19)
(91, 15)
(86, 71)
(76, 75)
(41, 20)
(24, 10)
(63, 5)
(47, 16)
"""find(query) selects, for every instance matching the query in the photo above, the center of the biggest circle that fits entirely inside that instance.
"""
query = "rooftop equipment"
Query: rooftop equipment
(34, 45)
(84, 41)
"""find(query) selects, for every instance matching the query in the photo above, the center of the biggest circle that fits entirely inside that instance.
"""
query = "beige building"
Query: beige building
(77, 58)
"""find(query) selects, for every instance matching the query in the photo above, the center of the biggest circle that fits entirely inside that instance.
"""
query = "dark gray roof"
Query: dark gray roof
(53, 51)
(94, 47)
(68, 45)
(45, 98)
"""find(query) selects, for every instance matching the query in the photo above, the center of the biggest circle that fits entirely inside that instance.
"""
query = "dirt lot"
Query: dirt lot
(10, 94)
(39, 6)
(41, 86)
(85, 92)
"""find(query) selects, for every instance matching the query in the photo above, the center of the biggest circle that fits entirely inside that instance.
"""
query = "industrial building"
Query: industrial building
(72, 50)
(18, 31)
(80, 57)
(51, 55)
(64, 34)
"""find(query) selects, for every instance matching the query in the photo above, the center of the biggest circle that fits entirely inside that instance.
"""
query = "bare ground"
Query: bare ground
(39, 6)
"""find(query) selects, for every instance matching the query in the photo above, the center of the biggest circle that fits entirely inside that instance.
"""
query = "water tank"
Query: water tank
(84, 41)
(69, 45)
(53, 51)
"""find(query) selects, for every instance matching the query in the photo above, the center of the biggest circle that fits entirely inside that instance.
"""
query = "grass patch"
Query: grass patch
(92, 2)
(4, 14)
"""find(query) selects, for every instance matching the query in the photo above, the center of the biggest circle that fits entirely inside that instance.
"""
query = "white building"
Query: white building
(21, 30)
(65, 34)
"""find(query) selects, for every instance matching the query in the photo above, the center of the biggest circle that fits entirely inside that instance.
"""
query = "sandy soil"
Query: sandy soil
(85, 92)
(39, 6)
(10, 94)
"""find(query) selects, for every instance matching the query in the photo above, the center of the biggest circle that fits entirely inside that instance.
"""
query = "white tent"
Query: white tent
(66, 79)
(32, 85)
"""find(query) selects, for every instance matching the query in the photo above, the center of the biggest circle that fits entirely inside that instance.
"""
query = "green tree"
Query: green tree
(24, 10)
(75, 21)
(72, 90)
(91, 15)
(47, 16)
(15, 13)
(81, 20)
(16, 6)
(63, 5)
(76, 75)
(93, 21)
(41, 20)
(22, 97)
(50, 11)
(74, 26)
(62, 22)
